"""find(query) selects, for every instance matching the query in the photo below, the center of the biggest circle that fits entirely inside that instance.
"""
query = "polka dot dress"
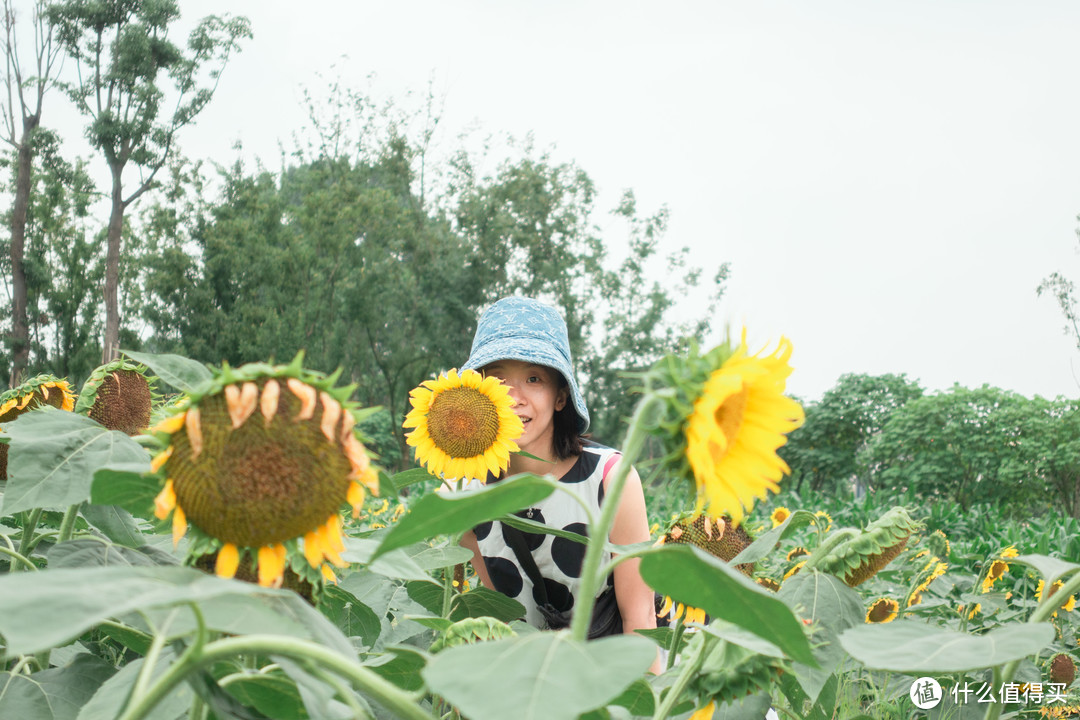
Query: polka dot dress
(558, 559)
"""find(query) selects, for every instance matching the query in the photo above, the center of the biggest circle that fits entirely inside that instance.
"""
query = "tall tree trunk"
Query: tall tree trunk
(20, 323)
(110, 351)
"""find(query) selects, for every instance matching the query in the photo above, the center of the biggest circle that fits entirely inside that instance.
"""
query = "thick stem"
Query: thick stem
(591, 578)
(29, 527)
(67, 525)
(676, 638)
(391, 697)
(17, 556)
(688, 671)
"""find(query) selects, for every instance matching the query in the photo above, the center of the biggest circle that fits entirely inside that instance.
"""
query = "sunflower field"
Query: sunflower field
(180, 541)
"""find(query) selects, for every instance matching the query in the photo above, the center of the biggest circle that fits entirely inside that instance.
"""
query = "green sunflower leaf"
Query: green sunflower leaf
(109, 700)
(270, 693)
(695, 578)
(453, 513)
(54, 455)
(182, 373)
(125, 486)
(1051, 569)
(544, 675)
(764, 544)
(56, 693)
(910, 646)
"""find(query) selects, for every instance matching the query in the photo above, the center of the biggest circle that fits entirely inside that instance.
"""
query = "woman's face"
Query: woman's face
(537, 396)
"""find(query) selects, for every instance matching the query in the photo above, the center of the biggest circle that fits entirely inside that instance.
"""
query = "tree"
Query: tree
(25, 97)
(822, 454)
(121, 48)
(964, 445)
(1048, 448)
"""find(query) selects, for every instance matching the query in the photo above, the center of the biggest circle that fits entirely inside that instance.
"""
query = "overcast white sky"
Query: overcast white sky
(889, 180)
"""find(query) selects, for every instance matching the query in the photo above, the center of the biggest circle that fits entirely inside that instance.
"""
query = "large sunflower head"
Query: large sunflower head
(259, 465)
(34, 393)
(463, 425)
(726, 416)
(719, 537)
(119, 396)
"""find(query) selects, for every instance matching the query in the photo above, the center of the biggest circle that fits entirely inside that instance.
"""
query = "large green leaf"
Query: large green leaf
(764, 543)
(483, 602)
(349, 615)
(115, 523)
(544, 676)
(46, 609)
(182, 373)
(409, 477)
(1050, 568)
(53, 456)
(88, 552)
(110, 698)
(832, 607)
(127, 487)
(54, 694)
(446, 514)
(401, 666)
(913, 647)
(697, 579)
(272, 694)
(397, 563)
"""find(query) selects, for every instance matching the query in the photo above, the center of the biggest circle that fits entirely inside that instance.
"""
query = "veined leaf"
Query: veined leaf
(182, 373)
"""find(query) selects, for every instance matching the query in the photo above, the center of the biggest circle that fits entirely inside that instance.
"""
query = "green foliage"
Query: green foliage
(824, 453)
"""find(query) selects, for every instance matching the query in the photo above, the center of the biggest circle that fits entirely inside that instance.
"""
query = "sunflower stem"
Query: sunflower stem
(676, 638)
(29, 527)
(1044, 610)
(689, 670)
(151, 659)
(15, 555)
(67, 525)
(399, 702)
(591, 577)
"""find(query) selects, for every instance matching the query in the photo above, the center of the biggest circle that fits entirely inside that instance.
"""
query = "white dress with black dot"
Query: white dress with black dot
(558, 559)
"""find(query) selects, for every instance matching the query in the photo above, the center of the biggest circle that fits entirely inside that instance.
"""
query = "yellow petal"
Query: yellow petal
(228, 560)
(328, 574)
(45, 391)
(355, 497)
(271, 565)
(165, 501)
(241, 402)
(25, 401)
(268, 403)
(307, 396)
(704, 713)
(194, 431)
(331, 413)
(160, 459)
(313, 549)
(170, 424)
(179, 525)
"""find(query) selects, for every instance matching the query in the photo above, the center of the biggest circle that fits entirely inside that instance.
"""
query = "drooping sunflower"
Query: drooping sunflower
(259, 465)
(1062, 669)
(34, 393)
(463, 425)
(119, 396)
(1068, 606)
(993, 574)
(883, 610)
(856, 556)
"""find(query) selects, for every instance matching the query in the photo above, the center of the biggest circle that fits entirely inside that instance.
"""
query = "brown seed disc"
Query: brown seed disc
(259, 484)
(123, 402)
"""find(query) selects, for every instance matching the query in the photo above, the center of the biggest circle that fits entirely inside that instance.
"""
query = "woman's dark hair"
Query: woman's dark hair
(566, 438)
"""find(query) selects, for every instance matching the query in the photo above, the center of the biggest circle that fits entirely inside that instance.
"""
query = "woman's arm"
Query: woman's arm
(632, 526)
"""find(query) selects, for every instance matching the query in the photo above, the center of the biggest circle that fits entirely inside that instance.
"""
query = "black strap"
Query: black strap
(516, 540)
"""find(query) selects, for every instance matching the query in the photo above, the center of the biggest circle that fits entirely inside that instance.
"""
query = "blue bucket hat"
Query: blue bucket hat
(524, 329)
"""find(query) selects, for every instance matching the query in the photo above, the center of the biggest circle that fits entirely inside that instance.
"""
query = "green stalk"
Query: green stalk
(1045, 609)
(591, 578)
(152, 655)
(693, 664)
(17, 556)
(391, 697)
(28, 531)
(676, 638)
(67, 525)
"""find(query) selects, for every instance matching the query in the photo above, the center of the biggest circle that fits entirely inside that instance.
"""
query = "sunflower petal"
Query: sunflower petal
(193, 425)
(268, 403)
(307, 396)
(228, 560)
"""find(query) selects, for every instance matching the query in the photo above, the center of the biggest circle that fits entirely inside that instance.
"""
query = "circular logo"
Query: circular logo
(925, 693)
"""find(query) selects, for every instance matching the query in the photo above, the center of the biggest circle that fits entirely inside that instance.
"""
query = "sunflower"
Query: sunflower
(1009, 553)
(882, 611)
(717, 536)
(119, 396)
(797, 552)
(737, 424)
(794, 570)
(993, 574)
(779, 515)
(1062, 669)
(687, 613)
(1068, 606)
(933, 570)
(971, 612)
(34, 393)
(824, 518)
(856, 556)
(262, 459)
(705, 712)
(463, 425)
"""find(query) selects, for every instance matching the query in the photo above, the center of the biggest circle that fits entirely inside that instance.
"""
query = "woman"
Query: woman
(524, 343)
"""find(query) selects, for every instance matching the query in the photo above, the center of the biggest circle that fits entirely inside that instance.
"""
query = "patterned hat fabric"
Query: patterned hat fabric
(524, 329)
